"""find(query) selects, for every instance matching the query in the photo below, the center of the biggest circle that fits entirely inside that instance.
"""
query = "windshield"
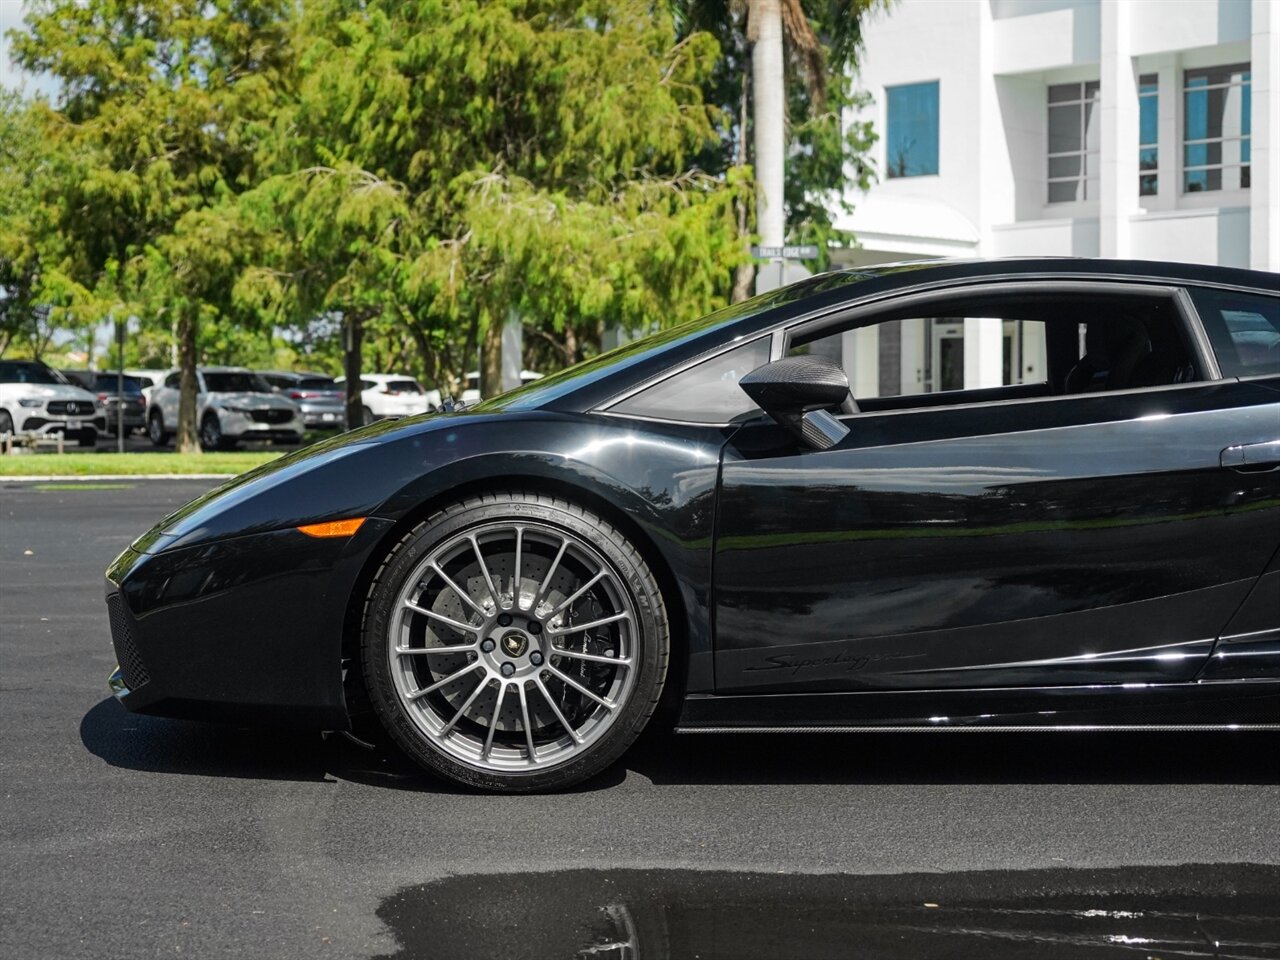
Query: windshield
(107, 382)
(29, 371)
(235, 383)
(403, 386)
(316, 383)
(543, 390)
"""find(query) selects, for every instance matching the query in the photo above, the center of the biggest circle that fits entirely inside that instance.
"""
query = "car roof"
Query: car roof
(598, 380)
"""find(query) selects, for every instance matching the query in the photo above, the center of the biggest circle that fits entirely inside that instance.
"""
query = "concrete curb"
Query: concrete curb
(72, 478)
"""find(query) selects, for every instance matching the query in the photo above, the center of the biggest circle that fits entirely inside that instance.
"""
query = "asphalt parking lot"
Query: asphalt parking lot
(125, 836)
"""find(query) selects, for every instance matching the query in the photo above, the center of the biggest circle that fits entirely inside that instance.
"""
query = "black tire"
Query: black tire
(87, 438)
(6, 422)
(650, 656)
(366, 416)
(155, 429)
(211, 437)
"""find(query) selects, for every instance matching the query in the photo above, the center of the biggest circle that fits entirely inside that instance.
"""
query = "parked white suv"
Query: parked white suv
(232, 404)
(471, 392)
(389, 395)
(37, 399)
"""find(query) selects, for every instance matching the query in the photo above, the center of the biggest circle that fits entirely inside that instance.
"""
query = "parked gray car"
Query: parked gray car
(104, 384)
(319, 398)
(232, 404)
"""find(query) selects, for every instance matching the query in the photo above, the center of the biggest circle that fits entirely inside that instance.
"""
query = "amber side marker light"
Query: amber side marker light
(334, 528)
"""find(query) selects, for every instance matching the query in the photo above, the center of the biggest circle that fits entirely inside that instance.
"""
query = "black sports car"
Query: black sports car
(1051, 500)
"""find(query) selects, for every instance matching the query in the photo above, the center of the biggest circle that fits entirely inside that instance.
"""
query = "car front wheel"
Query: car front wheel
(211, 437)
(515, 642)
(156, 431)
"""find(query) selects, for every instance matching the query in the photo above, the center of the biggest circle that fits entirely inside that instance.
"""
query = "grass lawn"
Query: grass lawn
(131, 464)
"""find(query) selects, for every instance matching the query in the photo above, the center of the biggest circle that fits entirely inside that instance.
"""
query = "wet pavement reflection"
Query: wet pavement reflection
(1148, 913)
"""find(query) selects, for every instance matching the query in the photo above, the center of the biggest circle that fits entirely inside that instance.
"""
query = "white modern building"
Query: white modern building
(1137, 129)
(1145, 129)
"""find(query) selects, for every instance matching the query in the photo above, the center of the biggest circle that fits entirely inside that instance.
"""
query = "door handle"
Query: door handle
(1250, 457)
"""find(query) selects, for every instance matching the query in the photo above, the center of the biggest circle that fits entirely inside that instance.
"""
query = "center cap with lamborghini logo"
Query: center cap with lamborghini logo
(514, 644)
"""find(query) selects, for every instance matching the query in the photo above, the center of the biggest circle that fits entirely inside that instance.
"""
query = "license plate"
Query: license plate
(329, 416)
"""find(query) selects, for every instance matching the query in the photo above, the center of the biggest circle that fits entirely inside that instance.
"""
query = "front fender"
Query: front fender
(237, 614)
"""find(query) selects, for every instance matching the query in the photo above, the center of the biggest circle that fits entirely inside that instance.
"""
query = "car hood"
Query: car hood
(254, 401)
(48, 391)
(255, 499)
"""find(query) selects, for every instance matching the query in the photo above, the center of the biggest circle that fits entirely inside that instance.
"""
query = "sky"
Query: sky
(10, 76)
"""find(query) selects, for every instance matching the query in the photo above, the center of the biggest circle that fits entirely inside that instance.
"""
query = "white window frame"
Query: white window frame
(1186, 168)
(1084, 153)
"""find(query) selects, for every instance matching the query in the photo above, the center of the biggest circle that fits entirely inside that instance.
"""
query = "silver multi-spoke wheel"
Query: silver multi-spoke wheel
(512, 645)
(514, 641)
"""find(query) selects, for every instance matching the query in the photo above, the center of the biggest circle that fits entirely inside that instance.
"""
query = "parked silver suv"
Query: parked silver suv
(319, 398)
(232, 404)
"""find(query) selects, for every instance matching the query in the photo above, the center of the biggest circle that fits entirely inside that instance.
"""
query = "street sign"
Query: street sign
(804, 251)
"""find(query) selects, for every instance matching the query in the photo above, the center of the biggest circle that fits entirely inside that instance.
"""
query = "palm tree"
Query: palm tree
(790, 41)
(768, 21)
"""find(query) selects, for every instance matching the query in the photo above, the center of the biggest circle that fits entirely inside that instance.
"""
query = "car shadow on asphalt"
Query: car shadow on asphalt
(161, 745)
(158, 745)
(1237, 757)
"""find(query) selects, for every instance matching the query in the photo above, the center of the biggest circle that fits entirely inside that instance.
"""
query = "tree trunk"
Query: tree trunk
(188, 436)
(745, 272)
(352, 362)
(571, 352)
(768, 95)
(429, 361)
(491, 360)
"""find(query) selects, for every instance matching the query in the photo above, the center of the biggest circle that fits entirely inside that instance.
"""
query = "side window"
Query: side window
(705, 393)
(1244, 330)
(921, 355)
(1010, 344)
(173, 380)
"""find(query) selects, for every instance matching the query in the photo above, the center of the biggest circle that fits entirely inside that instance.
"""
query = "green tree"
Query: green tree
(19, 160)
(156, 125)
(32, 251)
(819, 42)
(448, 165)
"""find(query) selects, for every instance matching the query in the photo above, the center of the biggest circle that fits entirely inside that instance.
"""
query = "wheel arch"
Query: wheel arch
(358, 706)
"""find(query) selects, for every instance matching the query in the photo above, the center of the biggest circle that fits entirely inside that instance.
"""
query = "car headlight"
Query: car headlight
(237, 409)
(31, 401)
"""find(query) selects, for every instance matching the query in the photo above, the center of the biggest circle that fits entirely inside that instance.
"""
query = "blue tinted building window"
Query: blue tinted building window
(1216, 141)
(911, 135)
(1148, 134)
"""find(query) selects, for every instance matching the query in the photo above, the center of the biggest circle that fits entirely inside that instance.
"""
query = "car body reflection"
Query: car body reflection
(1184, 911)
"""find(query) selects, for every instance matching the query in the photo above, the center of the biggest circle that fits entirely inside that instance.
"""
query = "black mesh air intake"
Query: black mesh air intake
(131, 665)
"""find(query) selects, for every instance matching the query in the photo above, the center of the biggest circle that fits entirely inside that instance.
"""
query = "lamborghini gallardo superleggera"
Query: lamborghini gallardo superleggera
(948, 496)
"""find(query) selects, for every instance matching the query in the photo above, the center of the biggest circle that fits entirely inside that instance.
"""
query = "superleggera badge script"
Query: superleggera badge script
(850, 663)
